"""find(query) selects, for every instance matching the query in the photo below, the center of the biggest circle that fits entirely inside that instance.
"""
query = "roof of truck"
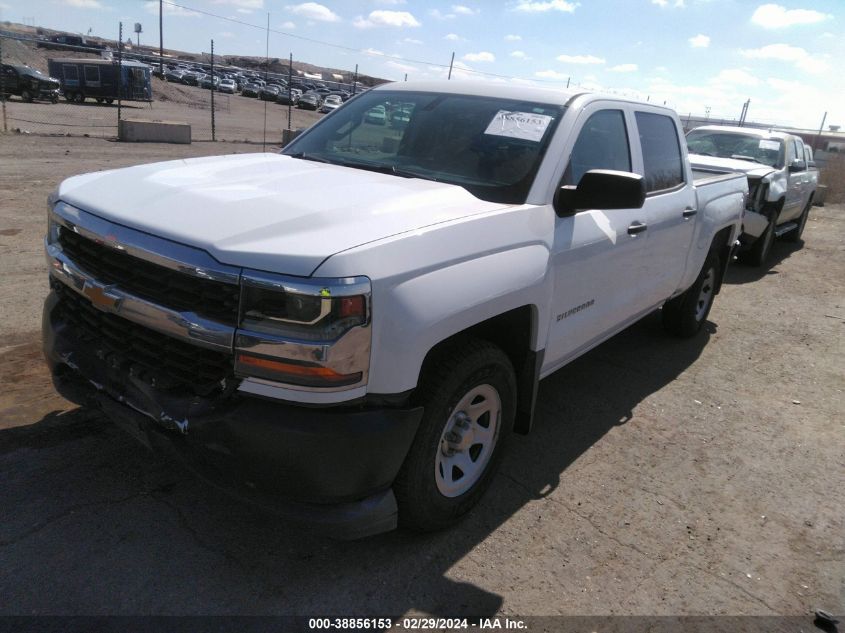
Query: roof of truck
(748, 131)
(97, 61)
(523, 92)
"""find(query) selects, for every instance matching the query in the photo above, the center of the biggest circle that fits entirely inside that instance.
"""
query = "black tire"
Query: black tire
(109, 101)
(99, 99)
(795, 235)
(69, 97)
(78, 97)
(54, 99)
(685, 314)
(759, 252)
(452, 375)
(26, 96)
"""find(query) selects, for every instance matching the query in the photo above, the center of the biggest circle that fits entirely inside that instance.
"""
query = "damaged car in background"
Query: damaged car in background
(782, 181)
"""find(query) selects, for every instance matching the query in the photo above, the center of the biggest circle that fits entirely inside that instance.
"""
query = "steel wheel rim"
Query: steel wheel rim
(468, 441)
(705, 295)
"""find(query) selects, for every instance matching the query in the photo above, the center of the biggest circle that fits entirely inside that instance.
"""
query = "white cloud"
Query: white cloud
(393, 2)
(482, 56)
(405, 68)
(624, 68)
(699, 41)
(437, 14)
(170, 10)
(248, 5)
(527, 6)
(314, 11)
(372, 51)
(227, 35)
(678, 4)
(386, 18)
(88, 4)
(580, 59)
(288, 25)
(520, 55)
(461, 9)
(786, 53)
(552, 74)
(513, 38)
(774, 16)
(410, 40)
(452, 37)
(736, 76)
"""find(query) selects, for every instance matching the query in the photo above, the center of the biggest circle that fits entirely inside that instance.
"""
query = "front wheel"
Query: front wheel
(758, 254)
(26, 95)
(795, 234)
(685, 314)
(469, 400)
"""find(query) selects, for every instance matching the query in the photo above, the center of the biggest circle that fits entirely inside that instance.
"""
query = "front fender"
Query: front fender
(425, 310)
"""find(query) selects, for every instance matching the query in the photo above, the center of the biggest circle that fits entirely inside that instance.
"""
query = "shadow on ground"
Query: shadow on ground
(739, 273)
(95, 525)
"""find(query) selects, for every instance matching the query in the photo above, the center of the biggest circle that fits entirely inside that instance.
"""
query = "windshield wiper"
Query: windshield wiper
(393, 170)
(744, 157)
(314, 157)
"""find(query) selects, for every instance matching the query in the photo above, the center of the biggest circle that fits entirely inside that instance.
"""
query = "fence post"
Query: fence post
(119, 76)
(3, 86)
(290, 80)
(213, 89)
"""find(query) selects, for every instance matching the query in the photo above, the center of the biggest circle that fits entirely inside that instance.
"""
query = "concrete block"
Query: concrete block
(135, 131)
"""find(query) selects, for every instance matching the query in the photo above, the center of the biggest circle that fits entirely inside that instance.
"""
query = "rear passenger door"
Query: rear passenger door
(670, 205)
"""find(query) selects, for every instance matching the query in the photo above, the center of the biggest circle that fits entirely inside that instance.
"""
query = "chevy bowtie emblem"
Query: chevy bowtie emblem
(101, 298)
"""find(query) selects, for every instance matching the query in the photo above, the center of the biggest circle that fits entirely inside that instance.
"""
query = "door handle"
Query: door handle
(689, 212)
(636, 227)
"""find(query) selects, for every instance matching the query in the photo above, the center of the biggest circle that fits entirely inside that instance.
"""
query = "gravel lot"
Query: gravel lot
(663, 477)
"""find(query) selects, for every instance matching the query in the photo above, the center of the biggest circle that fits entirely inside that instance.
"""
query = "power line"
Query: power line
(347, 48)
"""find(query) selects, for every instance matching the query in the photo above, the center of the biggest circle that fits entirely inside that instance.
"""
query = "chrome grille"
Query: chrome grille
(159, 360)
(164, 286)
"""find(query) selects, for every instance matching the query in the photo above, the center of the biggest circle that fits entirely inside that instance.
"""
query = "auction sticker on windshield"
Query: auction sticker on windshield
(525, 125)
(764, 144)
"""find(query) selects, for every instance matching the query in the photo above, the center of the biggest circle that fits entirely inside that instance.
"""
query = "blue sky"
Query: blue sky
(693, 54)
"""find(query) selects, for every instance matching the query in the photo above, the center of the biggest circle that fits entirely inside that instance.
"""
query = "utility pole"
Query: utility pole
(119, 75)
(213, 89)
(815, 143)
(161, 37)
(450, 65)
(266, 71)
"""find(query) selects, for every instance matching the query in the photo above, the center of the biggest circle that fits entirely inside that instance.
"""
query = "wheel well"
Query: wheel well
(722, 247)
(513, 332)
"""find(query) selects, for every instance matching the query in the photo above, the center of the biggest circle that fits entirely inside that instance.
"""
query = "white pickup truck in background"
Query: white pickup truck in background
(358, 324)
(782, 181)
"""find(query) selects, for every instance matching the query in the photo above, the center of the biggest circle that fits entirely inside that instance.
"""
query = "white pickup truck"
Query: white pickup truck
(782, 181)
(356, 326)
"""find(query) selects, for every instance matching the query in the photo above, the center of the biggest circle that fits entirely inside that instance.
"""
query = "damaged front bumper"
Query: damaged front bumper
(327, 468)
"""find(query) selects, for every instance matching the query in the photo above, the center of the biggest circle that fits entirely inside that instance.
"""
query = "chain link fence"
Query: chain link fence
(86, 88)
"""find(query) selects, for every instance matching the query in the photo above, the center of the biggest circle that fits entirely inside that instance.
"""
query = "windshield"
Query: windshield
(768, 151)
(491, 147)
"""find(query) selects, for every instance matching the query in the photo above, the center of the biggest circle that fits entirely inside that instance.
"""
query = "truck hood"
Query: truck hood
(267, 211)
(729, 165)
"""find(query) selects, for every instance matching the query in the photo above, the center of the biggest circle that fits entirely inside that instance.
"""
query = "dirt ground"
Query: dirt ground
(670, 477)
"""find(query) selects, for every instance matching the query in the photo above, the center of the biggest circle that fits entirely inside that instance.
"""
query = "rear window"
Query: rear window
(664, 168)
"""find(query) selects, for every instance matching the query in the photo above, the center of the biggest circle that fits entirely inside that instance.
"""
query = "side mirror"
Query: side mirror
(797, 165)
(601, 189)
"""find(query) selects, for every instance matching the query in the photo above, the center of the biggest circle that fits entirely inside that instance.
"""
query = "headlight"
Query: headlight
(311, 333)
